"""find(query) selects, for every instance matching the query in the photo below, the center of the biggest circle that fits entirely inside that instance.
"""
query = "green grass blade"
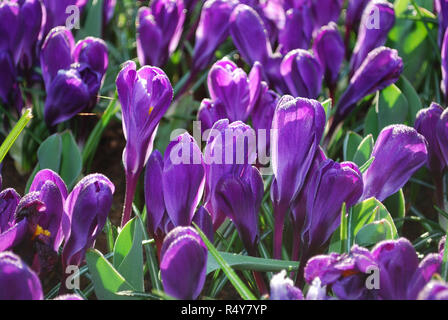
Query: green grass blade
(14, 134)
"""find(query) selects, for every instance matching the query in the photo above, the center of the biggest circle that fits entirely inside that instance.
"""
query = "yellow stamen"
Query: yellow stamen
(150, 110)
(39, 231)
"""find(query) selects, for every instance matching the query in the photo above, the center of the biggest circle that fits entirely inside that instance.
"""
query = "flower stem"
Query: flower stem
(279, 219)
(131, 185)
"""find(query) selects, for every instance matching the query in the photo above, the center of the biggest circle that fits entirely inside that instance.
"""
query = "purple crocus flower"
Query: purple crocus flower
(212, 30)
(302, 74)
(298, 22)
(204, 221)
(159, 29)
(444, 81)
(441, 7)
(442, 136)
(434, 290)
(426, 124)
(325, 11)
(230, 149)
(87, 208)
(183, 247)
(282, 288)
(233, 89)
(210, 112)
(344, 274)
(249, 35)
(399, 152)
(298, 126)
(145, 96)
(329, 50)
(182, 162)
(72, 74)
(401, 275)
(381, 68)
(17, 280)
(240, 198)
(372, 36)
(9, 199)
(8, 76)
(331, 185)
(108, 11)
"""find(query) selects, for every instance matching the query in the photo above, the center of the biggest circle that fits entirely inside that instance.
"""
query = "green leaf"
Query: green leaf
(364, 151)
(128, 254)
(414, 102)
(240, 287)
(366, 165)
(327, 104)
(351, 142)
(371, 123)
(374, 232)
(94, 22)
(343, 230)
(71, 164)
(49, 153)
(367, 212)
(391, 106)
(240, 262)
(400, 6)
(396, 206)
(107, 281)
(15, 132)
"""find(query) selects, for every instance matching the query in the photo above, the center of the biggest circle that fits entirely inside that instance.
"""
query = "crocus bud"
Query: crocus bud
(426, 124)
(56, 54)
(441, 6)
(444, 81)
(300, 24)
(401, 276)
(249, 35)
(329, 50)
(373, 30)
(399, 152)
(9, 26)
(434, 290)
(17, 280)
(302, 121)
(212, 30)
(145, 96)
(302, 74)
(344, 274)
(68, 90)
(87, 208)
(108, 10)
(240, 198)
(234, 89)
(230, 149)
(331, 185)
(355, 9)
(282, 288)
(182, 162)
(159, 29)
(382, 68)
(155, 205)
(184, 263)
(9, 199)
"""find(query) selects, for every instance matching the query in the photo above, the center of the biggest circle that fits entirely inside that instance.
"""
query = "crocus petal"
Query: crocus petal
(302, 74)
(9, 199)
(92, 51)
(282, 288)
(399, 152)
(183, 162)
(17, 280)
(155, 205)
(87, 207)
(249, 35)
(434, 290)
(442, 136)
(183, 248)
(298, 23)
(8, 76)
(56, 54)
(426, 124)
(204, 221)
(444, 82)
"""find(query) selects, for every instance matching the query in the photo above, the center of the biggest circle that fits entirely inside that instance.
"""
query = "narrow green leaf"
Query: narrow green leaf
(71, 163)
(15, 132)
(392, 107)
(366, 165)
(49, 153)
(374, 232)
(351, 142)
(364, 151)
(242, 289)
(94, 21)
